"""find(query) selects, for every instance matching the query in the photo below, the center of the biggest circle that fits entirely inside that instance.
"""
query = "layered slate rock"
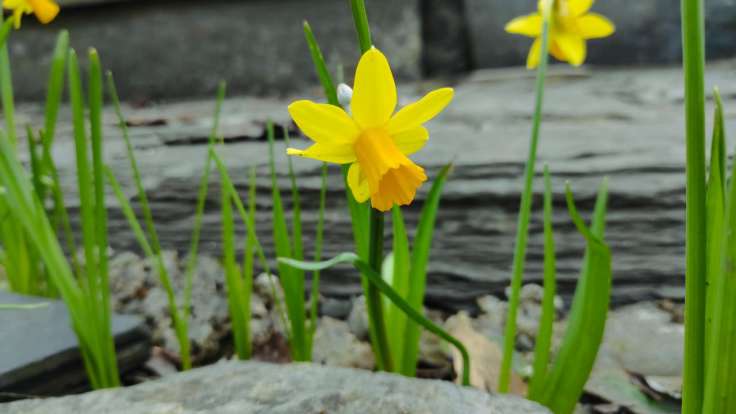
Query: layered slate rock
(39, 353)
(254, 387)
(160, 50)
(624, 124)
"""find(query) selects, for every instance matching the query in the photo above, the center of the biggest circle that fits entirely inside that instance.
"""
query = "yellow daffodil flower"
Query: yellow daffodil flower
(374, 139)
(45, 10)
(570, 26)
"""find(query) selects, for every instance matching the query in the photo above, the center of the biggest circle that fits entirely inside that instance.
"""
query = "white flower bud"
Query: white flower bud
(344, 95)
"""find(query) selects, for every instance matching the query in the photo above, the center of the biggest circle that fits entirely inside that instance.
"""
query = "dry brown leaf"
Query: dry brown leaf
(485, 357)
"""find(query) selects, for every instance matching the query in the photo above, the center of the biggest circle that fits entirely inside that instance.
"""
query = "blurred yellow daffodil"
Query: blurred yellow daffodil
(374, 139)
(45, 10)
(570, 26)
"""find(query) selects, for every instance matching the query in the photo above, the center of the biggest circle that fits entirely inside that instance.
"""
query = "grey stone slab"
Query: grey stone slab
(39, 354)
(626, 124)
(160, 49)
(254, 387)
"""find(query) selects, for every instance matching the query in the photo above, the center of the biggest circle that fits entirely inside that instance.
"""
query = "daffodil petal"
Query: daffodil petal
(374, 92)
(338, 154)
(594, 26)
(554, 50)
(323, 123)
(358, 184)
(45, 10)
(14, 4)
(529, 25)
(421, 111)
(532, 60)
(412, 140)
(579, 7)
(573, 46)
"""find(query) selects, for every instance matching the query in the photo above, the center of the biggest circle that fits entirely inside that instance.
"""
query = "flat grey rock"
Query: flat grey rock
(254, 387)
(39, 353)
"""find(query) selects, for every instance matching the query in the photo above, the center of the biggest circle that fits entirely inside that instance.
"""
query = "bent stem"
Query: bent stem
(374, 278)
(524, 213)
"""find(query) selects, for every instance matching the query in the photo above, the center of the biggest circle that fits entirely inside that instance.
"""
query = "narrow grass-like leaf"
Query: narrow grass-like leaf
(248, 217)
(318, 240)
(720, 372)
(586, 323)
(181, 324)
(296, 207)
(29, 214)
(6, 86)
(693, 59)
(23, 306)
(234, 282)
(5, 31)
(55, 88)
(100, 210)
(249, 254)
(418, 269)
(84, 172)
(399, 279)
(319, 64)
(292, 280)
(199, 209)
(715, 221)
(36, 163)
(544, 334)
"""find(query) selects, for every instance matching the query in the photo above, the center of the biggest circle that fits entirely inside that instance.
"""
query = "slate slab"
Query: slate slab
(39, 353)
(167, 50)
(626, 124)
(256, 387)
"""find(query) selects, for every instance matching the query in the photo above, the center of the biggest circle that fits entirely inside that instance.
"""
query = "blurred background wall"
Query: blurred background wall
(173, 49)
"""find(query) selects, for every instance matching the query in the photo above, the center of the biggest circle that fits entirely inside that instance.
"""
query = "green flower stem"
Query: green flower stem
(373, 295)
(524, 213)
(693, 45)
(375, 252)
(360, 17)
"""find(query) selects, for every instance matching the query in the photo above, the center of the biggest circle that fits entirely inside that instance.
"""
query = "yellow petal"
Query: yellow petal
(579, 7)
(374, 92)
(573, 46)
(421, 111)
(594, 26)
(45, 10)
(14, 4)
(412, 140)
(554, 50)
(358, 184)
(532, 60)
(338, 154)
(324, 123)
(529, 25)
